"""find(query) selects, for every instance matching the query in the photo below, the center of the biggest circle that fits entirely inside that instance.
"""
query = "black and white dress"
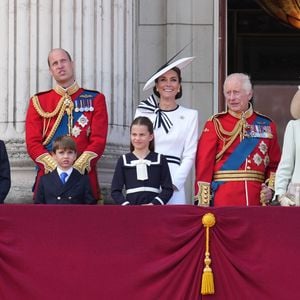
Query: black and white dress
(141, 181)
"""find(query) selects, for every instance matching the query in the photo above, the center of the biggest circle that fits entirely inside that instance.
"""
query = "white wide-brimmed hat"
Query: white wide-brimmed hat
(295, 105)
(180, 63)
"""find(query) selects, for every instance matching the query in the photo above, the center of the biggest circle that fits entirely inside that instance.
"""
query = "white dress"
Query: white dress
(288, 170)
(179, 145)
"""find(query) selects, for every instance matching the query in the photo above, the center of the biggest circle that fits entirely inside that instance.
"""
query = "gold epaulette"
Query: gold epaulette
(47, 161)
(203, 196)
(83, 162)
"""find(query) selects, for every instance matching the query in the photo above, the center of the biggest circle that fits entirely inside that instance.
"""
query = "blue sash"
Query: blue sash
(239, 155)
(62, 129)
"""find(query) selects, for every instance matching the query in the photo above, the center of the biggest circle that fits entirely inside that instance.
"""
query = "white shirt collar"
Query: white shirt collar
(59, 171)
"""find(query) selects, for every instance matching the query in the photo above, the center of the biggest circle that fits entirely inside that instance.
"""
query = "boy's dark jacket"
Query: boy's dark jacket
(76, 190)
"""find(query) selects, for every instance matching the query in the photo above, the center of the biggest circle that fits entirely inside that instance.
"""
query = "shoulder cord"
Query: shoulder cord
(64, 104)
(232, 135)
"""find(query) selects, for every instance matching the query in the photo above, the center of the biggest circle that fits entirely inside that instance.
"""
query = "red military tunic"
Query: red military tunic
(89, 130)
(220, 137)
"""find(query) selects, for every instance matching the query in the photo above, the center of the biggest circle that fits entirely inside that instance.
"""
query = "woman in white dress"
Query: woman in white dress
(175, 127)
(287, 181)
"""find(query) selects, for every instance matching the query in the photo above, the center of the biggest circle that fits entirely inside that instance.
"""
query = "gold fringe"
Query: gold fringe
(207, 285)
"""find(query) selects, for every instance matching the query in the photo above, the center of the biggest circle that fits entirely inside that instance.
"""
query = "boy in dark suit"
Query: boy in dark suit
(65, 185)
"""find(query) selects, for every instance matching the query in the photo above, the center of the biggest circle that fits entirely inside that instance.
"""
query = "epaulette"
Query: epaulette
(264, 116)
(93, 91)
(217, 115)
(41, 93)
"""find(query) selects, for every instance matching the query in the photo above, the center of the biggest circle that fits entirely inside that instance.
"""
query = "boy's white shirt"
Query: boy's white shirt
(69, 171)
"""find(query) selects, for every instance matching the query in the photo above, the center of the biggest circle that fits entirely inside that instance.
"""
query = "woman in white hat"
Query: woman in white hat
(175, 127)
(287, 181)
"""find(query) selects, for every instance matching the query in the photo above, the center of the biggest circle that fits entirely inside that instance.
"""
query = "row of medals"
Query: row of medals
(83, 105)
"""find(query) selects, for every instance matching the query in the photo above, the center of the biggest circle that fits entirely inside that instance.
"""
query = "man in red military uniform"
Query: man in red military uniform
(238, 152)
(67, 109)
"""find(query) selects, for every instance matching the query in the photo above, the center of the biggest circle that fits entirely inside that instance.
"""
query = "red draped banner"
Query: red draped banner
(147, 253)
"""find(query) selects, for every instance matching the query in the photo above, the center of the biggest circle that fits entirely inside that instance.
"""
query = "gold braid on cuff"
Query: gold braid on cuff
(83, 162)
(203, 196)
(47, 161)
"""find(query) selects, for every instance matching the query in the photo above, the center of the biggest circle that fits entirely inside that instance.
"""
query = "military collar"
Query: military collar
(248, 113)
(70, 90)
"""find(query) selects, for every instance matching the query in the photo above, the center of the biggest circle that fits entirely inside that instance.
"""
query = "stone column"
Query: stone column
(165, 27)
(99, 34)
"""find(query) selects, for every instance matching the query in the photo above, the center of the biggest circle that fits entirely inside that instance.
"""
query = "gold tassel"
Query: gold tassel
(207, 286)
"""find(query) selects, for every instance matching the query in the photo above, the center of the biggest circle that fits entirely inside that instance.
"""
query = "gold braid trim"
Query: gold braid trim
(70, 90)
(239, 129)
(41, 112)
(203, 196)
(83, 161)
(232, 135)
(239, 175)
(65, 104)
(47, 161)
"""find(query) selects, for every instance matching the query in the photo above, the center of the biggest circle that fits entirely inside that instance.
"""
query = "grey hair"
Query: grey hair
(246, 82)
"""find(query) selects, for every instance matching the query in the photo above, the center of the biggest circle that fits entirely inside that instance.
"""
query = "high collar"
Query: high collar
(72, 89)
(246, 114)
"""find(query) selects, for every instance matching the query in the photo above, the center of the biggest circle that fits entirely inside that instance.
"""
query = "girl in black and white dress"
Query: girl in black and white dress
(142, 176)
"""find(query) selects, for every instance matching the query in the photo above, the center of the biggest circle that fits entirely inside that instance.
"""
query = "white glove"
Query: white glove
(285, 201)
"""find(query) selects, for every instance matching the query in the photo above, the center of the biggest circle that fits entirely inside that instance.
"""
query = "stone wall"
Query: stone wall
(116, 46)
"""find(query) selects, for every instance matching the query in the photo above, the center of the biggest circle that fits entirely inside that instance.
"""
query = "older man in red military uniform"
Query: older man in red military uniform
(67, 110)
(238, 151)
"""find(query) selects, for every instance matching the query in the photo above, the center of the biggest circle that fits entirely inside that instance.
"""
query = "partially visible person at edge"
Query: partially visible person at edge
(142, 173)
(65, 185)
(67, 109)
(5, 180)
(287, 182)
(238, 152)
(175, 127)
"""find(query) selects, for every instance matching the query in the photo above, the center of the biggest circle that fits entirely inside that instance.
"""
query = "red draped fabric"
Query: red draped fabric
(115, 252)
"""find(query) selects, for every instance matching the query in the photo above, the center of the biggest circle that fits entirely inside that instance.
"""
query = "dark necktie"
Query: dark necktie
(63, 177)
